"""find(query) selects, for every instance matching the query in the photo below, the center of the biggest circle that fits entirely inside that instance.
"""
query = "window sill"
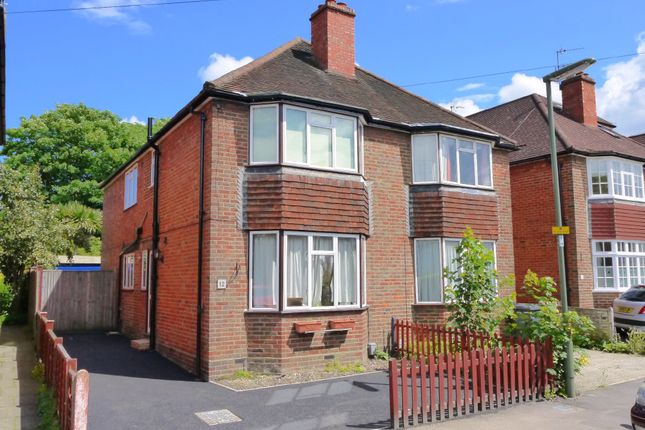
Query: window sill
(129, 207)
(306, 168)
(610, 290)
(430, 304)
(453, 185)
(305, 311)
(608, 197)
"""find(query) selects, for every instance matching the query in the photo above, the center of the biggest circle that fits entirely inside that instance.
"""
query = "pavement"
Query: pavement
(18, 390)
(141, 390)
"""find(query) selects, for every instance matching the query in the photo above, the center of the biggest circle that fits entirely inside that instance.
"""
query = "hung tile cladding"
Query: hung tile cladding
(602, 193)
(331, 201)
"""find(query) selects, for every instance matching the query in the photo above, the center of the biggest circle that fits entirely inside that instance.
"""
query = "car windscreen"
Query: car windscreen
(634, 294)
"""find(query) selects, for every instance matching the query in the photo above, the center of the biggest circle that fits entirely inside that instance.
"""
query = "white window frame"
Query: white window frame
(332, 127)
(145, 270)
(128, 268)
(276, 280)
(277, 134)
(615, 254)
(334, 253)
(443, 257)
(152, 169)
(610, 179)
(439, 159)
(130, 191)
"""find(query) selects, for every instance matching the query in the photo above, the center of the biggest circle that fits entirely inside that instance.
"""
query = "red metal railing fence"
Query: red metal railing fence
(448, 373)
(71, 386)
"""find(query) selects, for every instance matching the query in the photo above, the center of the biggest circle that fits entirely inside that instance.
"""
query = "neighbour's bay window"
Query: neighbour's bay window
(614, 177)
(618, 265)
(311, 138)
(431, 256)
(319, 271)
(453, 159)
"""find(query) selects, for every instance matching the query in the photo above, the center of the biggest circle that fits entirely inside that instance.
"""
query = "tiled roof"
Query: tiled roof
(525, 121)
(639, 138)
(291, 69)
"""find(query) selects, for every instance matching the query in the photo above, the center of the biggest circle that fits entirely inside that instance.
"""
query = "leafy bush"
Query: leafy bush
(46, 406)
(615, 346)
(549, 322)
(472, 292)
(636, 342)
(6, 298)
(382, 355)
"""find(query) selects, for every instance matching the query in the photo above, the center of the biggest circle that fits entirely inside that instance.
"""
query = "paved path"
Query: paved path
(18, 390)
(141, 390)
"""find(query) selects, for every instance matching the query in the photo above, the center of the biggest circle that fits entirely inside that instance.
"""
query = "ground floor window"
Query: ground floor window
(431, 256)
(127, 272)
(618, 264)
(320, 270)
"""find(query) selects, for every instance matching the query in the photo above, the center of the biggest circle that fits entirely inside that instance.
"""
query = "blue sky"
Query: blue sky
(146, 61)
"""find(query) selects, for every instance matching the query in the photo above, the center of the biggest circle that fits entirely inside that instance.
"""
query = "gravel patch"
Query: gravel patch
(272, 380)
(607, 368)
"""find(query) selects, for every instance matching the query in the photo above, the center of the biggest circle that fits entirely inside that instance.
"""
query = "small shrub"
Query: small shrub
(616, 346)
(549, 322)
(337, 367)
(243, 374)
(6, 298)
(382, 355)
(46, 406)
(636, 342)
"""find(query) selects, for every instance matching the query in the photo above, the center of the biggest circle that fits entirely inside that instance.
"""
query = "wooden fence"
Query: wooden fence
(71, 386)
(418, 339)
(77, 301)
(448, 373)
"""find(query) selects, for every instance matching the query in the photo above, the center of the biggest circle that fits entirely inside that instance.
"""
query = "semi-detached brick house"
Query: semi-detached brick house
(330, 196)
(601, 176)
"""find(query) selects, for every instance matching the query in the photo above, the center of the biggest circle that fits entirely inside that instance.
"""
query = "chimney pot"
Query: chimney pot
(579, 99)
(332, 37)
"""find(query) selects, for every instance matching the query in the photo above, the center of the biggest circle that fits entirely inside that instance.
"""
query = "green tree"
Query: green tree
(29, 232)
(75, 147)
(472, 290)
(79, 225)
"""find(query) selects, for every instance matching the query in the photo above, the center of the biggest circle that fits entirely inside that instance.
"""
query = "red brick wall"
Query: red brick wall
(447, 213)
(534, 215)
(119, 231)
(602, 300)
(612, 220)
(282, 201)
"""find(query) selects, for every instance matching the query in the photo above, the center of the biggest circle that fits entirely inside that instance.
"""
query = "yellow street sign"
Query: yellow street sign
(560, 230)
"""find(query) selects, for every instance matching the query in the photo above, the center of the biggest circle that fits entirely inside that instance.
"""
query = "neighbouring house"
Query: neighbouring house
(639, 138)
(296, 205)
(601, 181)
(79, 263)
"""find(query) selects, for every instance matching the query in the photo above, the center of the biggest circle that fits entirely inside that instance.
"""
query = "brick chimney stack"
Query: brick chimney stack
(579, 99)
(332, 37)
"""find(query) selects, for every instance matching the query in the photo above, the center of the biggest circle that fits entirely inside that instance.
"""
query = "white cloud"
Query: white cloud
(108, 15)
(220, 65)
(522, 85)
(621, 99)
(448, 1)
(411, 7)
(132, 120)
(470, 86)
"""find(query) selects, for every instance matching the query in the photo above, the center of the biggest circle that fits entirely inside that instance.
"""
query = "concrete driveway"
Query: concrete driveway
(142, 390)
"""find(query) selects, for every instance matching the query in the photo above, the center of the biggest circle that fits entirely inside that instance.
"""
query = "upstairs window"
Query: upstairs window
(613, 177)
(130, 191)
(463, 161)
(311, 138)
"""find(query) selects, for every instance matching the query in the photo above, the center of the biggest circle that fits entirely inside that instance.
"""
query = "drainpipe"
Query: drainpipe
(200, 247)
(155, 239)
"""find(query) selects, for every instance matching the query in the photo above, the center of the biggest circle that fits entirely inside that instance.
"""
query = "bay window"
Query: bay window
(319, 271)
(310, 138)
(454, 160)
(618, 265)
(614, 177)
(431, 256)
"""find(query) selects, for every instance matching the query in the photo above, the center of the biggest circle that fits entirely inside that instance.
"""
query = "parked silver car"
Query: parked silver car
(629, 309)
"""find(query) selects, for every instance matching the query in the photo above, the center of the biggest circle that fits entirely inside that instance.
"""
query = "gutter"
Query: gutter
(209, 90)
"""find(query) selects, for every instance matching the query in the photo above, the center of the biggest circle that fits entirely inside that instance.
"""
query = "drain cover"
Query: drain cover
(222, 416)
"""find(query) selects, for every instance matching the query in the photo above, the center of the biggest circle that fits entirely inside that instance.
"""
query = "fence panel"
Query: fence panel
(71, 386)
(77, 301)
(465, 373)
